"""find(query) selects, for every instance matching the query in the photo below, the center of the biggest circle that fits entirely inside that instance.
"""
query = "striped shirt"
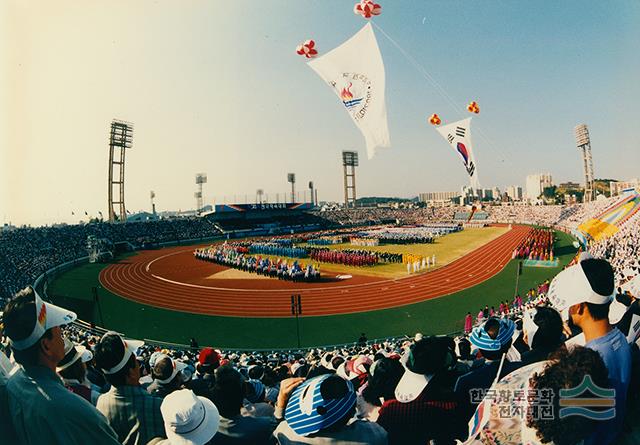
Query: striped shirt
(133, 413)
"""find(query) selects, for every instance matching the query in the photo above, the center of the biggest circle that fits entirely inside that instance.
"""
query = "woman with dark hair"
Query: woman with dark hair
(517, 418)
(568, 369)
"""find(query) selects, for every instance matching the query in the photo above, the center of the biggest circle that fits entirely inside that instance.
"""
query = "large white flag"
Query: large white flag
(458, 135)
(355, 71)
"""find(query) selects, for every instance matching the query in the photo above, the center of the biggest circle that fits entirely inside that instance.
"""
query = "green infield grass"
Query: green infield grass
(447, 249)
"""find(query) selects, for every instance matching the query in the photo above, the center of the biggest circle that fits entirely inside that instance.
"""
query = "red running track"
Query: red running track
(174, 279)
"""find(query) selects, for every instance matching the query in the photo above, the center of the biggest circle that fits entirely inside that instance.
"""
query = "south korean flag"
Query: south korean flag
(458, 135)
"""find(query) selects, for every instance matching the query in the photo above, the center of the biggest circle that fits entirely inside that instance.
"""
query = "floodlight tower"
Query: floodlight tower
(120, 138)
(584, 145)
(259, 194)
(349, 162)
(291, 177)
(312, 201)
(152, 196)
(201, 178)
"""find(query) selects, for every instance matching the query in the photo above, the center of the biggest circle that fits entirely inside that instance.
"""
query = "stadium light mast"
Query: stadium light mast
(349, 162)
(312, 201)
(583, 142)
(291, 177)
(120, 138)
(259, 194)
(201, 178)
(152, 196)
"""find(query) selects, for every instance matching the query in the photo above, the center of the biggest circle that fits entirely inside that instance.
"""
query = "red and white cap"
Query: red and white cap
(47, 316)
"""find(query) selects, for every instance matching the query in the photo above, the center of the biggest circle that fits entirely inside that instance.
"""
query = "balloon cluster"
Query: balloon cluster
(435, 119)
(473, 107)
(367, 9)
(307, 49)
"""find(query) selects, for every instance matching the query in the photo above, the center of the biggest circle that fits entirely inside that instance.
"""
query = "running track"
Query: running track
(142, 278)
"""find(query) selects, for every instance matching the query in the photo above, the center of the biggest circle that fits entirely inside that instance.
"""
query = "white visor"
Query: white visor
(411, 384)
(72, 353)
(177, 368)
(47, 316)
(130, 348)
(571, 287)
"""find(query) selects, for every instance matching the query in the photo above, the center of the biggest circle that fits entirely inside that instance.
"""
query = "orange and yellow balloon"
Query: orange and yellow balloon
(473, 107)
(435, 119)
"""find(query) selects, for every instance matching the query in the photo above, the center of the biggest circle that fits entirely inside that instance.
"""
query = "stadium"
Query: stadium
(163, 281)
(329, 313)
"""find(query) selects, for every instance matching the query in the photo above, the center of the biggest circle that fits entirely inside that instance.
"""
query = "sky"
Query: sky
(217, 87)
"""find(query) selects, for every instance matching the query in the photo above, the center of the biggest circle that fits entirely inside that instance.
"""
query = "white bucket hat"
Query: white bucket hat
(189, 419)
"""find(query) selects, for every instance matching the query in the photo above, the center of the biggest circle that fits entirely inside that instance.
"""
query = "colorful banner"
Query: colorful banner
(458, 135)
(355, 72)
(608, 222)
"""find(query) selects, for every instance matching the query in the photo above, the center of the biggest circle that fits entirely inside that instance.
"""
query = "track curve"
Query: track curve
(173, 279)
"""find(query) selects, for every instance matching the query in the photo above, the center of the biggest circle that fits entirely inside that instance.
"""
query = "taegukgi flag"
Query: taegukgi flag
(355, 71)
(458, 134)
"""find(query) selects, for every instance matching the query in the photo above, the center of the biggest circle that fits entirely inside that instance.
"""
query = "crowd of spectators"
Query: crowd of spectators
(377, 216)
(64, 384)
(622, 250)
(403, 391)
(29, 252)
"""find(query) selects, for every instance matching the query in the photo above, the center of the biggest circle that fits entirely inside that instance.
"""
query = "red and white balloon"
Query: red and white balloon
(307, 49)
(367, 9)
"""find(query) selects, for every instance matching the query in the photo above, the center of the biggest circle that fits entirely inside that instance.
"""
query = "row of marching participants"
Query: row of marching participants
(538, 245)
(346, 257)
(281, 269)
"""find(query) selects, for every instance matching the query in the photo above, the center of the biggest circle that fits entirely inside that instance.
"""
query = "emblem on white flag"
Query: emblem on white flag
(355, 71)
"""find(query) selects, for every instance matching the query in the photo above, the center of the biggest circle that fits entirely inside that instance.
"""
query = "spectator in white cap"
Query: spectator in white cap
(583, 293)
(167, 376)
(42, 409)
(132, 412)
(73, 371)
(424, 405)
(188, 419)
